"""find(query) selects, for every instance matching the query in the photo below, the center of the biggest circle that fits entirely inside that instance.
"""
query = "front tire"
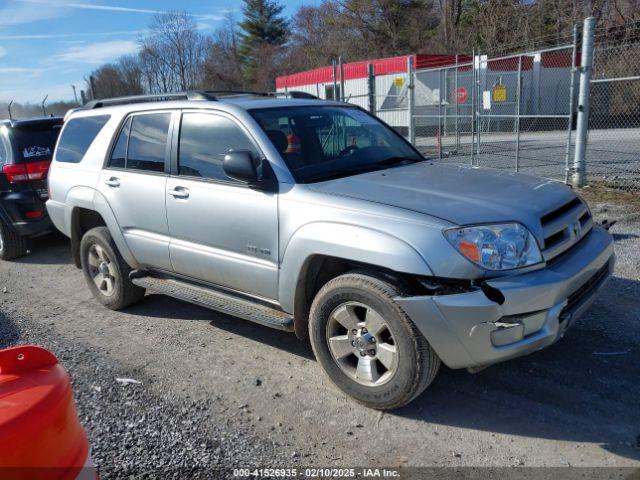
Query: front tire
(12, 245)
(106, 272)
(367, 345)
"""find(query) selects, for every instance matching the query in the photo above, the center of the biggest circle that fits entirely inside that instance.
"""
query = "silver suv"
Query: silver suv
(317, 218)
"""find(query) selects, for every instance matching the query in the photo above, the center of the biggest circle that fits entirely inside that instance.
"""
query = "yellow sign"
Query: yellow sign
(499, 93)
(398, 82)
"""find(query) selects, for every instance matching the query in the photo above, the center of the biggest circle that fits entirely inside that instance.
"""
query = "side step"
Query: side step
(219, 301)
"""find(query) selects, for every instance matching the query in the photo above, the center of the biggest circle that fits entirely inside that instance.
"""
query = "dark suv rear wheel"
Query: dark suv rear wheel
(106, 271)
(367, 345)
(12, 245)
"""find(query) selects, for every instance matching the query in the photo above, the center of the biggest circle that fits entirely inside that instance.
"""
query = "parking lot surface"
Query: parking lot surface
(216, 390)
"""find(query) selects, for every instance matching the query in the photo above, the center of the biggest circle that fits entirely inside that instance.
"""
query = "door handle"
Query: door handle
(179, 192)
(113, 182)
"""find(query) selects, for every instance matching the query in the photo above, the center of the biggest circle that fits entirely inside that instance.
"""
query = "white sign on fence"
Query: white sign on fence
(486, 99)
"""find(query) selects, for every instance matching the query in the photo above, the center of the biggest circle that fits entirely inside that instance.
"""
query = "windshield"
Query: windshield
(35, 143)
(323, 142)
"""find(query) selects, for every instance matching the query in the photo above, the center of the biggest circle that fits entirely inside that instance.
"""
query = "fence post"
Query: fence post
(474, 100)
(455, 98)
(335, 80)
(586, 66)
(342, 94)
(572, 95)
(518, 94)
(439, 139)
(372, 88)
(411, 100)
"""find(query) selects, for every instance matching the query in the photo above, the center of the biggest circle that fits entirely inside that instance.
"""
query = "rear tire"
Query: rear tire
(367, 345)
(106, 272)
(12, 245)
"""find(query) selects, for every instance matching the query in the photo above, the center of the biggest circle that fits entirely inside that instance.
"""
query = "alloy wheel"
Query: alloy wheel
(361, 344)
(102, 270)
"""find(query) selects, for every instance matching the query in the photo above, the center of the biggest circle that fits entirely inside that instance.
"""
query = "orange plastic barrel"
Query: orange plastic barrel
(40, 433)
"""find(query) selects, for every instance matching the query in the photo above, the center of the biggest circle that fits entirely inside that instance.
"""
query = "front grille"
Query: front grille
(564, 226)
(584, 291)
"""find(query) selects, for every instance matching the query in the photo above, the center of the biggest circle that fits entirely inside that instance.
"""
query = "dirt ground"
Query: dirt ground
(575, 403)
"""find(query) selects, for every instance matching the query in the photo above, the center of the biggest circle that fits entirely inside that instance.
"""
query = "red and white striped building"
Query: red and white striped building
(545, 85)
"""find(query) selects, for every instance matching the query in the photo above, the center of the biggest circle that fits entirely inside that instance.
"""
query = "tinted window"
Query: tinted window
(148, 142)
(35, 143)
(119, 153)
(3, 152)
(204, 141)
(324, 142)
(77, 137)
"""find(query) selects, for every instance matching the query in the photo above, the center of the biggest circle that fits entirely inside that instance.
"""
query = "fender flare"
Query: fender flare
(90, 199)
(349, 242)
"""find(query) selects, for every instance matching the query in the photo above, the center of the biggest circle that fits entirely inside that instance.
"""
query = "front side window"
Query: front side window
(323, 142)
(148, 142)
(77, 136)
(204, 141)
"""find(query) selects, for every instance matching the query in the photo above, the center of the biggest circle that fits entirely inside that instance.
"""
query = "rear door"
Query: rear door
(222, 231)
(134, 181)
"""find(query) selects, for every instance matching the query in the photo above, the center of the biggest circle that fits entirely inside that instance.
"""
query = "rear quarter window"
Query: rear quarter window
(77, 136)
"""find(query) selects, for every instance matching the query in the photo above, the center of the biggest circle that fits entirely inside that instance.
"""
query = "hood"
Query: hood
(459, 194)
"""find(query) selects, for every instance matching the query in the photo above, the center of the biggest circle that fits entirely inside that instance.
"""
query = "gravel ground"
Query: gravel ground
(136, 433)
(221, 391)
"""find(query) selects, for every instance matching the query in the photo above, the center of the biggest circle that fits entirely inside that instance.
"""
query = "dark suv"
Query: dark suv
(26, 147)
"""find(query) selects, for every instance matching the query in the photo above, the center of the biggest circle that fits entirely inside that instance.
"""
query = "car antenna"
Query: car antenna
(44, 110)
(9, 108)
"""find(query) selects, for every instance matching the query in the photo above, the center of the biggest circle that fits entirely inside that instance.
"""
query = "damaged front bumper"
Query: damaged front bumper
(470, 330)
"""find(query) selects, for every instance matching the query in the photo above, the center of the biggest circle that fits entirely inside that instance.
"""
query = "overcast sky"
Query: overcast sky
(48, 45)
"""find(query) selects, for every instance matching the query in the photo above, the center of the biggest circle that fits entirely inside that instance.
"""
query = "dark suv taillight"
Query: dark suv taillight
(26, 172)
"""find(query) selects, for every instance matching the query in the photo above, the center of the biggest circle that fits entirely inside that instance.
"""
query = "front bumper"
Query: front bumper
(469, 330)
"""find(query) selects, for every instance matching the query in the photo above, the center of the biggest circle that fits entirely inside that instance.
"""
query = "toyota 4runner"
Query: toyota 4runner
(315, 217)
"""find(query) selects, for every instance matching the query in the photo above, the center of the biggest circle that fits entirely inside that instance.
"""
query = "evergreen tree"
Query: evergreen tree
(263, 28)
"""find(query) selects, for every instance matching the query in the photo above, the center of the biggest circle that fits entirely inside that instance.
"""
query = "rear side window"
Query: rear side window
(148, 142)
(3, 151)
(119, 154)
(77, 137)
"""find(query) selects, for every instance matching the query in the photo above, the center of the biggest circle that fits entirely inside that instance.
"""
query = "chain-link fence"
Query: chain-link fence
(613, 147)
(569, 112)
(509, 112)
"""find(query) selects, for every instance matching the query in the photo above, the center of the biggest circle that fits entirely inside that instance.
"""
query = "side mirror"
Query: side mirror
(238, 164)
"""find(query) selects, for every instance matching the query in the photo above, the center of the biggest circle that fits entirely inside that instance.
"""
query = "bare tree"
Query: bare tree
(120, 78)
(223, 66)
(174, 53)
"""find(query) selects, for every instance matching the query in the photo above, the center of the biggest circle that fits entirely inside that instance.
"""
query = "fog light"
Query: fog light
(507, 333)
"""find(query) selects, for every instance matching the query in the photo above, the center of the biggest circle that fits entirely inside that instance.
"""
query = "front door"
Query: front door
(134, 184)
(222, 231)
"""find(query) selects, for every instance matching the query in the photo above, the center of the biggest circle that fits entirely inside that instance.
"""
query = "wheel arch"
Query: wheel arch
(85, 215)
(322, 251)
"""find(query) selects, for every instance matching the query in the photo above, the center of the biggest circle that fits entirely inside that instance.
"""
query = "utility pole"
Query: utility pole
(44, 110)
(75, 94)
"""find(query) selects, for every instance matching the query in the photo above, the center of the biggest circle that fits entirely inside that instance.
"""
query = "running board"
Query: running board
(219, 301)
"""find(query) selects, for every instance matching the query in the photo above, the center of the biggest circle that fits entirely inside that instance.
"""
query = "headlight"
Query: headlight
(496, 247)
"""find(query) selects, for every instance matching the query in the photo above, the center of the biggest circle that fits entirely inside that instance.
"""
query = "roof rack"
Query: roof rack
(210, 95)
(159, 97)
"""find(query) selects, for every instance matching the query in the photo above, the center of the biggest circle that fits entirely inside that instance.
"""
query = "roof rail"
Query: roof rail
(159, 97)
(236, 92)
(296, 94)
